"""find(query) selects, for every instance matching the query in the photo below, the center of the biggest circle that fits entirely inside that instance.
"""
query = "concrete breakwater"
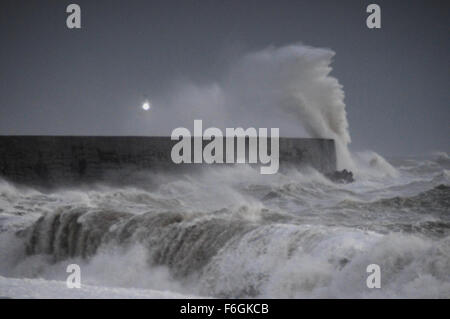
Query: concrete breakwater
(64, 160)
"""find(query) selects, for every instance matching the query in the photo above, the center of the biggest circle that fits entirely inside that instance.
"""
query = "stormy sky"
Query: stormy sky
(93, 81)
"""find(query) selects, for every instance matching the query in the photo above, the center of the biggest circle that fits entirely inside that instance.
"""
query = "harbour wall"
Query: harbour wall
(56, 160)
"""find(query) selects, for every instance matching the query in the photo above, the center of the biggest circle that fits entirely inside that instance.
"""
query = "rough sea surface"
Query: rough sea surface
(231, 232)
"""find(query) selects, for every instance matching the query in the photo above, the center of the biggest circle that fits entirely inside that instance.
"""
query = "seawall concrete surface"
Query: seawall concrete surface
(62, 160)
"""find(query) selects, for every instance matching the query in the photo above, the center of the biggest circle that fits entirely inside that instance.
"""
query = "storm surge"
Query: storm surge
(293, 235)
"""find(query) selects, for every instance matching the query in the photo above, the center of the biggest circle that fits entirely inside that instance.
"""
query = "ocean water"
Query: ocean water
(232, 232)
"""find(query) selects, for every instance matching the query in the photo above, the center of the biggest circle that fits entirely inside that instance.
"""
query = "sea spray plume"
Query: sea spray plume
(296, 80)
(288, 87)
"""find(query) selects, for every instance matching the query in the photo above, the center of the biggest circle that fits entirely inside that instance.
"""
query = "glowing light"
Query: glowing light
(146, 106)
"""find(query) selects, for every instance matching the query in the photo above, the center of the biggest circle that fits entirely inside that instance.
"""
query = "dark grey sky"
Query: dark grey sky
(92, 81)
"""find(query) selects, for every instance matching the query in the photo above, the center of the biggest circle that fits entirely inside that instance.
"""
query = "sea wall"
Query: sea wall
(55, 160)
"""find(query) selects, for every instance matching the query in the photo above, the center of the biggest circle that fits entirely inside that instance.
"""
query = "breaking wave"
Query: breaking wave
(289, 235)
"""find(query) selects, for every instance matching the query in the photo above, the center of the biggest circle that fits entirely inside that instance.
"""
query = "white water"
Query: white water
(232, 232)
